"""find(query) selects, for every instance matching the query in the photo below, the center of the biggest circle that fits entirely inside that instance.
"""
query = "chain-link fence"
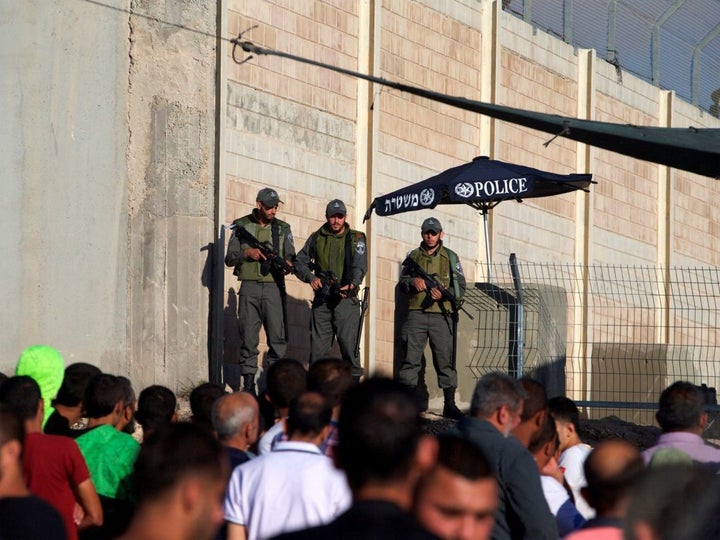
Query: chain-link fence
(673, 44)
(610, 337)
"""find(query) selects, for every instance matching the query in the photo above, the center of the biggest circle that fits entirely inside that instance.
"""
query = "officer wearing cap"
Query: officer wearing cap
(431, 317)
(262, 297)
(334, 253)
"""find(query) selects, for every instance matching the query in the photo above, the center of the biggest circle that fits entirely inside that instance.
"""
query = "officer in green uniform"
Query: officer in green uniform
(262, 297)
(430, 317)
(334, 262)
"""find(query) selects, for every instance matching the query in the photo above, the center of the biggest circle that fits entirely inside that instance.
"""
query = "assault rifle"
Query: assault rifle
(432, 283)
(273, 261)
(330, 284)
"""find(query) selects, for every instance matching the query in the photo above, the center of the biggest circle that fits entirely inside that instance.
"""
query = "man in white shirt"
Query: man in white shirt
(544, 449)
(293, 487)
(573, 452)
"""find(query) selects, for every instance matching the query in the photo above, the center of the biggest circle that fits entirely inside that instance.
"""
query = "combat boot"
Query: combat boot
(249, 383)
(450, 410)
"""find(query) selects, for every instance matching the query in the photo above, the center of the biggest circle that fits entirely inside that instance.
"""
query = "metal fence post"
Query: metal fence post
(518, 325)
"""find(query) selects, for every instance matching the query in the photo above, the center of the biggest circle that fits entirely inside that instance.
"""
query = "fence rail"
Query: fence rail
(672, 44)
(601, 334)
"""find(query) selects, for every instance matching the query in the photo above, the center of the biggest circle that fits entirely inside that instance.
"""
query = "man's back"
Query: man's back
(523, 511)
(110, 455)
(367, 519)
(292, 487)
(30, 517)
(54, 467)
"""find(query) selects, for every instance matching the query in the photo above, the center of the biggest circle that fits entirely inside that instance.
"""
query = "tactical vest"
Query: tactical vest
(274, 233)
(440, 267)
(335, 253)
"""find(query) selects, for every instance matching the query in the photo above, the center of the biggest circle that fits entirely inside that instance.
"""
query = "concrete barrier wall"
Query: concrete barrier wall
(108, 178)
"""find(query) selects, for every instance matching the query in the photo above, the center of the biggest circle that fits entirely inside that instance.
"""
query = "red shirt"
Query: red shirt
(53, 467)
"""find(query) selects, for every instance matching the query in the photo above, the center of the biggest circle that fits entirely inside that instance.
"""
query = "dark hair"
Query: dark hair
(681, 407)
(563, 409)
(169, 455)
(330, 377)
(103, 392)
(379, 431)
(75, 381)
(309, 413)
(12, 428)
(463, 457)
(128, 391)
(494, 390)
(548, 432)
(286, 380)
(22, 394)
(677, 502)
(202, 398)
(156, 407)
(536, 399)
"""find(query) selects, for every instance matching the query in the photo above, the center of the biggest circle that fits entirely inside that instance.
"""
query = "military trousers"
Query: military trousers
(417, 330)
(338, 321)
(260, 305)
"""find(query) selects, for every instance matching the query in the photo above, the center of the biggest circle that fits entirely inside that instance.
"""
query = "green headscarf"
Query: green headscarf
(47, 367)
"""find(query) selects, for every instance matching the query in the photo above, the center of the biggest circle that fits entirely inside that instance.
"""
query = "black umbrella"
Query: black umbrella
(482, 183)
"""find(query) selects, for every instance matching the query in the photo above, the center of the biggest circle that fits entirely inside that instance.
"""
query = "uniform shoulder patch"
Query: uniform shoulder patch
(360, 246)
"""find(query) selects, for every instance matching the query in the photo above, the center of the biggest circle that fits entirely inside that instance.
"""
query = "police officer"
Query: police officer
(262, 296)
(429, 315)
(334, 261)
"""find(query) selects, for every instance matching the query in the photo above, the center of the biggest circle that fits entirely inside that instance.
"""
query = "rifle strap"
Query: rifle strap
(279, 277)
(275, 234)
(347, 263)
(452, 256)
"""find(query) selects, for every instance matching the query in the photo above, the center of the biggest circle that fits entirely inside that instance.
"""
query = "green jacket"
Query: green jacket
(110, 455)
(345, 254)
(247, 270)
(445, 267)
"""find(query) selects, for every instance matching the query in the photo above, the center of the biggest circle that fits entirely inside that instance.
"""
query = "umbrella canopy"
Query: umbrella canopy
(482, 183)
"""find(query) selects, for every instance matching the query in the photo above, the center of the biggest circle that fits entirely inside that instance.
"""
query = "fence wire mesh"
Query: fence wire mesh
(672, 44)
(611, 337)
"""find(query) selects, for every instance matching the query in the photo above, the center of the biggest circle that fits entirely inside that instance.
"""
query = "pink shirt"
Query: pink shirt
(693, 445)
(597, 533)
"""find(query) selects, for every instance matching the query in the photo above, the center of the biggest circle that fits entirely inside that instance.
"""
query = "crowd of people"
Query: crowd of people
(321, 455)
(318, 454)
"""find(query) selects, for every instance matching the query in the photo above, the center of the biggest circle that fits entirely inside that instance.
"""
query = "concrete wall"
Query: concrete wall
(64, 138)
(108, 184)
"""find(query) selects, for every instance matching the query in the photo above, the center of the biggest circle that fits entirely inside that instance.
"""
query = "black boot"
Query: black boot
(249, 383)
(450, 410)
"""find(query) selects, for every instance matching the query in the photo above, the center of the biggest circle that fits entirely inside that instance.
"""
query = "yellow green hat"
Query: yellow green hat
(47, 367)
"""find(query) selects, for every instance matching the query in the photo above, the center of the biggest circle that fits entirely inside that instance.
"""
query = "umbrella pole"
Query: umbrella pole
(487, 245)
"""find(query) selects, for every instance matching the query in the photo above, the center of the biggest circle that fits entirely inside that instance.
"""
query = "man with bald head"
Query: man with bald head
(611, 469)
(235, 419)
